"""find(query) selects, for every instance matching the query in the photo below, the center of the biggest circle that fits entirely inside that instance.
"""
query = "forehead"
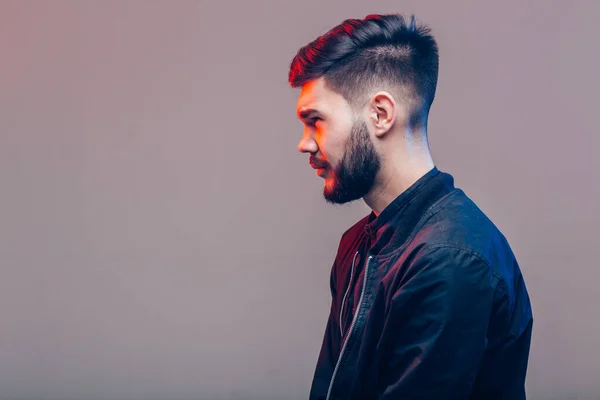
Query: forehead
(315, 96)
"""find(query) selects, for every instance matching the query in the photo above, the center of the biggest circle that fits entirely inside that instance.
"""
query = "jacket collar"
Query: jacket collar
(396, 222)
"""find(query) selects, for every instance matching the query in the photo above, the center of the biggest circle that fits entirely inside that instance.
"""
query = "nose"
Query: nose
(307, 144)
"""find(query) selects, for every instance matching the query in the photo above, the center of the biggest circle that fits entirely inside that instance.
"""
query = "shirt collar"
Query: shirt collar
(402, 214)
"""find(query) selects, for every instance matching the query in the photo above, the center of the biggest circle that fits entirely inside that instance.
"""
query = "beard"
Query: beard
(355, 174)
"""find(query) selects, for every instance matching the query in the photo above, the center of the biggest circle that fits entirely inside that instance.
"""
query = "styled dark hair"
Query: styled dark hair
(379, 52)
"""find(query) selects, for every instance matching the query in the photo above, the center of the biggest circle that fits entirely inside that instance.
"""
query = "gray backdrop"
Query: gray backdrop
(162, 238)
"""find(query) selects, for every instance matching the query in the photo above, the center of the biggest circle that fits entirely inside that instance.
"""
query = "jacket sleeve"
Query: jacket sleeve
(435, 332)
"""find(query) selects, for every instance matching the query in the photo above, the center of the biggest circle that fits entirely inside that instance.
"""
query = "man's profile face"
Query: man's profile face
(339, 143)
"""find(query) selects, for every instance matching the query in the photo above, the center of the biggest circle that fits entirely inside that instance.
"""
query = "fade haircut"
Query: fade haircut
(379, 52)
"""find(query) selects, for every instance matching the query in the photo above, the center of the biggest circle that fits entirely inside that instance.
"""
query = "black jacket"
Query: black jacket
(428, 302)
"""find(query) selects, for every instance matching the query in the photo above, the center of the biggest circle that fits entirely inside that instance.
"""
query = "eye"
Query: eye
(313, 122)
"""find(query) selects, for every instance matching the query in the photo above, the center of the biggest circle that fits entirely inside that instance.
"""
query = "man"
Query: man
(428, 301)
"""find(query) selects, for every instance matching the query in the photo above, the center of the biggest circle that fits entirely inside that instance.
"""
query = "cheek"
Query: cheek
(331, 146)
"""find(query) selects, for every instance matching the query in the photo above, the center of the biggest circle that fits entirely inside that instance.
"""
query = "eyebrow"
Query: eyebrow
(304, 114)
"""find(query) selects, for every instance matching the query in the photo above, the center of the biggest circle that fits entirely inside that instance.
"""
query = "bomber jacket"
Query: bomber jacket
(428, 302)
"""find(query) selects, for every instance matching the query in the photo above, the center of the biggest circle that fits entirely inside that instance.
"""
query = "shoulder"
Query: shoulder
(448, 281)
(458, 225)
(457, 232)
(450, 263)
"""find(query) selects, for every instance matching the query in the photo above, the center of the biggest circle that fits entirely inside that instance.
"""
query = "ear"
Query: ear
(383, 112)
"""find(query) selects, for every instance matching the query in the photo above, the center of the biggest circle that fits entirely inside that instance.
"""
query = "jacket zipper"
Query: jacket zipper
(346, 294)
(337, 365)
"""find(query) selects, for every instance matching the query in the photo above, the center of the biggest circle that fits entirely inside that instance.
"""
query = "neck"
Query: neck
(395, 178)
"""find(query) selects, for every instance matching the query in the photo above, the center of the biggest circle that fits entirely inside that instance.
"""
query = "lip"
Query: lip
(315, 163)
